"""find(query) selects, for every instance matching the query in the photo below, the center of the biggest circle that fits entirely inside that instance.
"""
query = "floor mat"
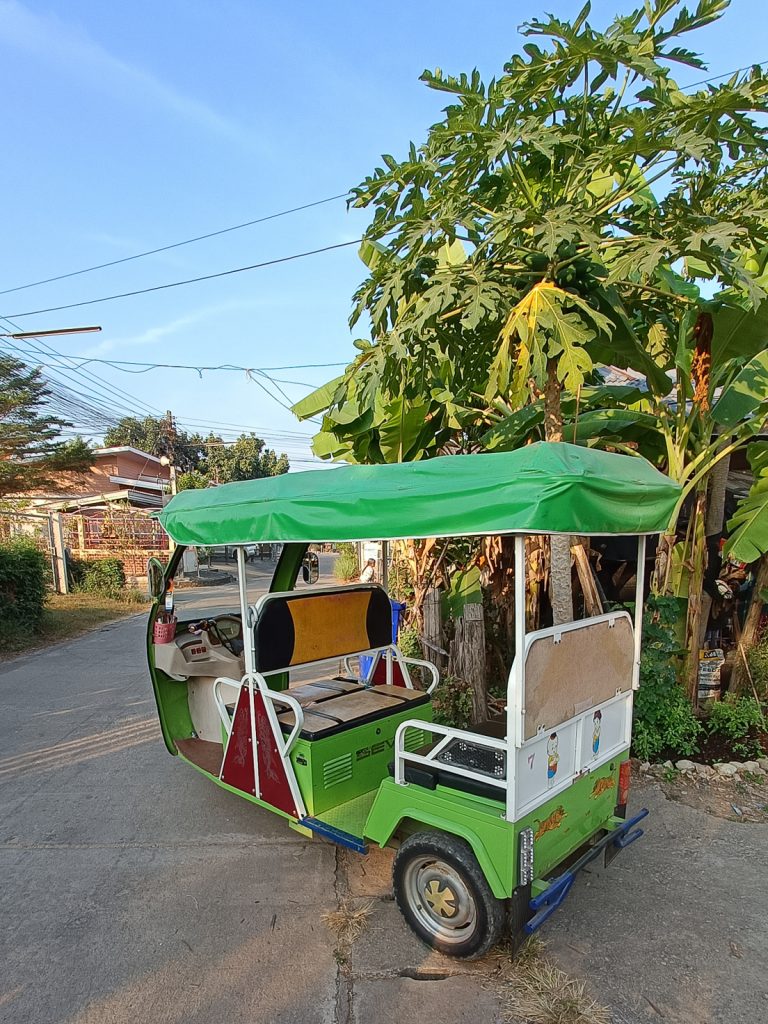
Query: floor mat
(351, 816)
(204, 754)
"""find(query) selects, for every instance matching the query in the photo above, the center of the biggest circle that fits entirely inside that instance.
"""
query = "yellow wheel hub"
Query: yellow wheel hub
(442, 901)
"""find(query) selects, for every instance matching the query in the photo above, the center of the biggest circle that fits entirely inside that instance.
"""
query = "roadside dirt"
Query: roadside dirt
(745, 800)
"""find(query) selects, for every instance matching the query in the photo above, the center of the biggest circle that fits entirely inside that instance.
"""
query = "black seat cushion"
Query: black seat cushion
(431, 776)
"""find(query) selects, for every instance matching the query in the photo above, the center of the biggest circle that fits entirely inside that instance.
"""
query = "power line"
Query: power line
(728, 74)
(250, 223)
(121, 364)
(251, 373)
(103, 387)
(94, 412)
(174, 245)
(191, 280)
(101, 413)
(146, 367)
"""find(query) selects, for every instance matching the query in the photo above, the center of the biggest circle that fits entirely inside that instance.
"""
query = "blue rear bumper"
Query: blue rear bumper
(545, 903)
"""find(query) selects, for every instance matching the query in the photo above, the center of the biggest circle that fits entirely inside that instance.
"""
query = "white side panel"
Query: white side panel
(604, 731)
(548, 763)
(545, 765)
(203, 711)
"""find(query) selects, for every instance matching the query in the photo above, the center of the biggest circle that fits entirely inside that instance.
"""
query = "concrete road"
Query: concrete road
(134, 891)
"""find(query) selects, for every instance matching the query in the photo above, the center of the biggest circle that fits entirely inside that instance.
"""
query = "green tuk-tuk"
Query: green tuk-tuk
(490, 824)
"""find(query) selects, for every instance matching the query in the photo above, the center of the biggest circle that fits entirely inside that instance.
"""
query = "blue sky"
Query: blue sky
(136, 125)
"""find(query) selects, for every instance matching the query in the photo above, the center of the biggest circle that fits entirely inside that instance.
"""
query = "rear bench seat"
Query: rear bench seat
(365, 704)
(307, 627)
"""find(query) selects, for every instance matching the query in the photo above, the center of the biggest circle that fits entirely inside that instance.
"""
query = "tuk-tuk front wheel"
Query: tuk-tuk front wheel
(443, 895)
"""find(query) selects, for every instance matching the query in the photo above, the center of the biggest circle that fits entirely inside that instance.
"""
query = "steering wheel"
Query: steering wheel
(230, 643)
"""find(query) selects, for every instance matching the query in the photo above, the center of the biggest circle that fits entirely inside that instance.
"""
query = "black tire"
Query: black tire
(457, 913)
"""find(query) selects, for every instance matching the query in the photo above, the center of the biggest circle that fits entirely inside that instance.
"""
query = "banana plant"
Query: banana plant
(716, 404)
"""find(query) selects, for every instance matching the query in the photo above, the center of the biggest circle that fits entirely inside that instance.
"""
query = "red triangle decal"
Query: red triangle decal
(237, 770)
(273, 780)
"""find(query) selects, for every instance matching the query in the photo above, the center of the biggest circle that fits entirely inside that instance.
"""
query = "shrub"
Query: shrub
(106, 576)
(758, 664)
(399, 582)
(346, 567)
(22, 588)
(452, 703)
(409, 643)
(739, 720)
(663, 717)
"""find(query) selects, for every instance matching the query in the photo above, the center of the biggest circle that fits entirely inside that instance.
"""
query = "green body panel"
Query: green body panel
(548, 487)
(474, 818)
(568, 820)
(337, 769)
(170, 696)
(351, 816)
(561, 825)
(287, 568)
(284, 578)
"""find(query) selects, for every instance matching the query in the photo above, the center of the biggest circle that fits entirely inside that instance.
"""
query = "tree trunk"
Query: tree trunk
(432, 636)
(698, 560)
(714, 527)
(466, 659)
(592, 602)
(663, 564)
(560, 586)
(740, 678)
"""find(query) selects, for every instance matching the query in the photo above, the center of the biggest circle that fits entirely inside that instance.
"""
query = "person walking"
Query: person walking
(368, 575)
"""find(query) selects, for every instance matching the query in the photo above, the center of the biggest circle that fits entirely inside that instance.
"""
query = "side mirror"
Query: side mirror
(155, 579)
(310, 568)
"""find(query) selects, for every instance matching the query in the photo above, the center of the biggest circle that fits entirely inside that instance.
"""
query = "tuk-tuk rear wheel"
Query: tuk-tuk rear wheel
(443, 895)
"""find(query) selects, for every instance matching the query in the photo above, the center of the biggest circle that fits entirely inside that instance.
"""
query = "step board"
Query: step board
(345, 823)
(336, 835)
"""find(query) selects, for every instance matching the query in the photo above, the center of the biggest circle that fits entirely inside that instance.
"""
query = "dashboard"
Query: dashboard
(206, 647)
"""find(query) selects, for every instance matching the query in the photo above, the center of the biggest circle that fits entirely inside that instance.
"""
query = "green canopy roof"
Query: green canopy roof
(543, 488)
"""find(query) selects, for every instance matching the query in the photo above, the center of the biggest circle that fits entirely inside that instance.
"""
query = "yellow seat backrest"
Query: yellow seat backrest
(300, 627)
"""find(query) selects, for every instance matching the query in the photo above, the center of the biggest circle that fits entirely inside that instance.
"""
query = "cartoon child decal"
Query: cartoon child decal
(553, 757)
(596, 732)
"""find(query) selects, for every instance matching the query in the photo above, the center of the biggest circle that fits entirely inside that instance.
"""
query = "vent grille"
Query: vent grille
(414, 738)
(338, 769)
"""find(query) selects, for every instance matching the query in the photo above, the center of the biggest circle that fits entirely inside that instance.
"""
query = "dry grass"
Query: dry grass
(69, 615)
(543, 994)
(535, 991)
(506, 964)
(348, 923)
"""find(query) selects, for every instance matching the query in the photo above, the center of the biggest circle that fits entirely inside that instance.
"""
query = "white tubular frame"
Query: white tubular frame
(402, 755)
(282, 697)
(256, 681)
(639, 586)
(221, 707)
(388, 652)
(244, 616)
(515, 711)
(420, 663)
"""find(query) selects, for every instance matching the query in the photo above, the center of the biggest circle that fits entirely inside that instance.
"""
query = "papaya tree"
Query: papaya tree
(532, 236)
